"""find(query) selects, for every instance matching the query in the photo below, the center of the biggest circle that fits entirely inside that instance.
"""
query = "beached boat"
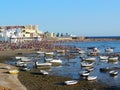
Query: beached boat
(43, 64)
(90, 69)
(43, 72)
(113, 72)
(93, 51)
(84, 73)
(18, 57)
(56, 61)
(109, 50)
(81, 52)
(71, 82)
(60, 51)
(87, 64)
(90, 59)
(113, 58)
(21, 64)
(103, 57)
(48, 59)
(13, 71)
(25, 69)
(113, 62)
(49, 53)
(40, 53)
(91, 78)
(25, 59)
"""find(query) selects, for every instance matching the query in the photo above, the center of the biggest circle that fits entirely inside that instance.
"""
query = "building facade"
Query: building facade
(15, 33)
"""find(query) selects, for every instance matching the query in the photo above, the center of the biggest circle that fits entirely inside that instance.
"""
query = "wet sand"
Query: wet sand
(9, 81)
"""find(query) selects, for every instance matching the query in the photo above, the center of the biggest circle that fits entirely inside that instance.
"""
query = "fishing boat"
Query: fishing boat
(13, 71)
(84, 73)
(43, 72)
(87, 64)
(90, 59)
(43, 64)
(60, 51)
(113, 58)
(20, 64)
(18, 57)
(90, 69)
(71, 82)
(91, 78)
(49, 53)
(56, 61)
(48, 59)
(109, 50)
(25, 59)
(40, 53)
(25, 69)
(113, 72)
(81, 52)
(93, 51)
(103, 57)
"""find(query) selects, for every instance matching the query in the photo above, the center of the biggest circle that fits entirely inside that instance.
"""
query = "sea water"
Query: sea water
(72, 67)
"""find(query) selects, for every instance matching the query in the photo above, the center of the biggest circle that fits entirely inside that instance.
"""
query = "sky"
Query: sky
(77, 17)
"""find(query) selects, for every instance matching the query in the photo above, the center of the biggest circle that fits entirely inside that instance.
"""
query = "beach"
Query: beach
(9, 81)
(32, 80)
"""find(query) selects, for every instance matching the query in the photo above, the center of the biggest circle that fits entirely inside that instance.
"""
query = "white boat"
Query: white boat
(113, 72)
(43, 64)
(103, 57)
(113, 58)
(48, 59)
(60, 51)
(43, 72)
(20, 64)
(85, 73)
(17, 57)
(71, 82)
(91, 77)
(40, 52)
(25, 59)
(49, 53)
(109, 50)
(114, 62)
(104, 60)
(87, 64)
(81, 52)
(56, 61)
(90, 69)
(25, 69)
(90, 59)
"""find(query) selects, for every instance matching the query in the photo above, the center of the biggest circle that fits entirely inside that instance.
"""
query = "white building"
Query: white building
(15, 34)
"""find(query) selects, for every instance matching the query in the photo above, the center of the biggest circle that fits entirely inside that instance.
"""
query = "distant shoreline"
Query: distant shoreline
(112, 37)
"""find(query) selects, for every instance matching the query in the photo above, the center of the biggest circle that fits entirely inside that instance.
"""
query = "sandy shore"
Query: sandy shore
(9, 81)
